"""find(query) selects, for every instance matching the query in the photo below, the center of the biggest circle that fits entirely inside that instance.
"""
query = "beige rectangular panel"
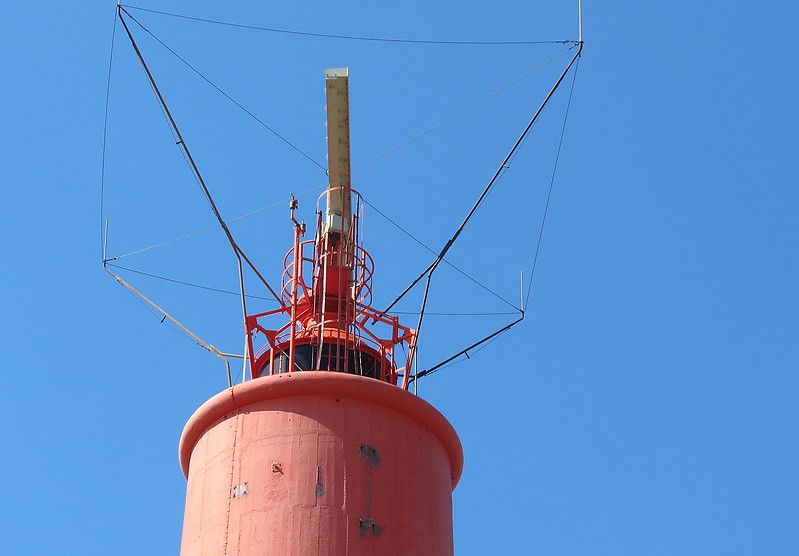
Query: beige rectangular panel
(338, 148)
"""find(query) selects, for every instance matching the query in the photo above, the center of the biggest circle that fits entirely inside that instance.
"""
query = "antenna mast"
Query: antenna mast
(327, 283)
(339, 205)
(339, 458)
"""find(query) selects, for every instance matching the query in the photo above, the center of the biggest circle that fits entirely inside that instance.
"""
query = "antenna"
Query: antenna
(289, 461)
(580, 19)
(327, 283)
(338, 149)
(289, 452)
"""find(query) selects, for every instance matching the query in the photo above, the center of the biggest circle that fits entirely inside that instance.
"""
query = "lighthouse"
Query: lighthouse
(323, 449)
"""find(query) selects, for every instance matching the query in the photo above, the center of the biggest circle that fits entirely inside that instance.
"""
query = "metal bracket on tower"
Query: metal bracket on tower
(370, 527)
(367, 524)
(240, 490)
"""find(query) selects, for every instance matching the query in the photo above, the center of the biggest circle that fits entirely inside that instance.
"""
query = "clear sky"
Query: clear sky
(646, 405)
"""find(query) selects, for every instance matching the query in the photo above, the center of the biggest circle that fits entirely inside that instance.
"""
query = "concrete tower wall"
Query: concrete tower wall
(318, 463)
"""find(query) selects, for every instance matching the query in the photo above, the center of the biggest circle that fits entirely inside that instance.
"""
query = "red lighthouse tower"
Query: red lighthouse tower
(324, 450)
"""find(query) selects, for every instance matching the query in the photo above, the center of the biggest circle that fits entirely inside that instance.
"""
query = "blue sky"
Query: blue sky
(646, 405)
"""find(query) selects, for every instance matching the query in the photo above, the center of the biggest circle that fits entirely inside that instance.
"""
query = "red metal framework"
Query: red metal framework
(327, 290)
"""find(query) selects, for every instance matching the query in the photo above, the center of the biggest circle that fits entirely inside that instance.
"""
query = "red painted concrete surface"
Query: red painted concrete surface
(318, 463)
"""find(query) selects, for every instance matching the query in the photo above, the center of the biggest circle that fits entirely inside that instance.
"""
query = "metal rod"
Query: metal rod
(424, 303)
(246, 361)
(105, 242)
(182, 144)
(233, 355)
(580, 19)
(258, 274)
(434, 368)
(522, 310)
(243, 303)
(294, 278)
(415, 382)
(196, 338)
(502, 167)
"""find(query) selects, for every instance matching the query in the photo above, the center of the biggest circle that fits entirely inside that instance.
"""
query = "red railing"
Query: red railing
(331, 324)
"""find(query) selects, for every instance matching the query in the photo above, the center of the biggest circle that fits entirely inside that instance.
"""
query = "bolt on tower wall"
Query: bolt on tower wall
(323, 450)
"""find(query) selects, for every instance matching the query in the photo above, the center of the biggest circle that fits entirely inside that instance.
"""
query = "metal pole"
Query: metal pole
(105, 242)
(173, 125)
(294, 278)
